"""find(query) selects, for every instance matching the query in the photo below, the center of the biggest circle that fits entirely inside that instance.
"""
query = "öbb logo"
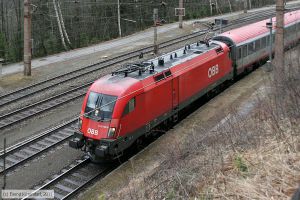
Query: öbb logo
(92, 131)
(212, 71)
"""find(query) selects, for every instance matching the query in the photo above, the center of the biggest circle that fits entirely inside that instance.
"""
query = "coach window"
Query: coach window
(251, 48)
(129, 106)
(263, 42)
(240, 53)
(245, 51)
(257, 45)
(294, 28)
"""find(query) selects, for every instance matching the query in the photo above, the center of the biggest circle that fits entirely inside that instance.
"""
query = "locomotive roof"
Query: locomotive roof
(117, 83)
(169, 59)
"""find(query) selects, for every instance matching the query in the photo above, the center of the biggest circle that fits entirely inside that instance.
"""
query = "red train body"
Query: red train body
(126, 105)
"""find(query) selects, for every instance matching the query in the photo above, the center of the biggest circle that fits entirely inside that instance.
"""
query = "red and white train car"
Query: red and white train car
(128, 104)
(250, 44)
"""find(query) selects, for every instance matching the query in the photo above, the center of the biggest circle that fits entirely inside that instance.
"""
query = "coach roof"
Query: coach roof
(242, 34)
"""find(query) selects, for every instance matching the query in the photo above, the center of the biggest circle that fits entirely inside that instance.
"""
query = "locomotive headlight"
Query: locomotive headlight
(111, 132)
(96, 112)
(79, 123)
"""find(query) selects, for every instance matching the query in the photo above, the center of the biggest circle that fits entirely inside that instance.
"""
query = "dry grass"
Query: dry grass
(271, 172)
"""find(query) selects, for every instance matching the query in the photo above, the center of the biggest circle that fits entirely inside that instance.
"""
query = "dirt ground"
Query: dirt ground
(243, 144)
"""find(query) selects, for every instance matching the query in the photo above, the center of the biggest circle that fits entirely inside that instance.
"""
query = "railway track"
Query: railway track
(35, 88)
(33, 147)
(42, 142)
(26, 112)
(73, 178)
(51, 82)
(29, 111)
(70, 180)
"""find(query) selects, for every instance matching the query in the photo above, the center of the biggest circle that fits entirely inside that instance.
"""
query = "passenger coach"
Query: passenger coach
(250, 44)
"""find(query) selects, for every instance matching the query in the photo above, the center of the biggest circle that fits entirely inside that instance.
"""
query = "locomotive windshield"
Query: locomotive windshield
(100, 106)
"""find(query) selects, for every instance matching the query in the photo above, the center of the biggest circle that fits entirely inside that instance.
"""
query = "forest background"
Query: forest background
(60, 25)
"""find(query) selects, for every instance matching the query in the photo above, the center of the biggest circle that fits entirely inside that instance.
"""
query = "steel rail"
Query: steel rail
(67, 183)
(34, 146)
(80, 163)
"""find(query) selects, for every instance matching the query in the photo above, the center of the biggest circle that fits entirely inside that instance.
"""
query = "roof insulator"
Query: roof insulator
(151, 68)
(126, 74)
(161, 61)
(184, 51)
(189, 46)
(140, 72)
(171, 57)
(175, 55)
(197, 44)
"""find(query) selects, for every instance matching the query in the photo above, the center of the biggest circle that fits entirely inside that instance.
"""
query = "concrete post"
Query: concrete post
(4, 164)
(1, 61)
(269, 63)
(279, 41)
(245, 6)
(27, 38)
(119, 19)
(180, 16)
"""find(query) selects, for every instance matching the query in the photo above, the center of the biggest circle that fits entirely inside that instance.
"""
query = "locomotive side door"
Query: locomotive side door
(175, 99)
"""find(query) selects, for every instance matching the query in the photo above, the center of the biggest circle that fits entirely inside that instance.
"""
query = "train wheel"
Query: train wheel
(94, 158)
(139, 143)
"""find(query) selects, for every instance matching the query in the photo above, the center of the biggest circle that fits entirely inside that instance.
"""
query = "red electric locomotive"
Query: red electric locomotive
(121, 107)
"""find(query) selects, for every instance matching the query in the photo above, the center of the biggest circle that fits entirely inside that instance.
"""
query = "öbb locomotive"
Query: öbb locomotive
(128, 104)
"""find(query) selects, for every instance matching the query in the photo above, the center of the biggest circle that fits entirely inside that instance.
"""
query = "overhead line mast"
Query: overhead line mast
(27, 38)
(180, 16)
(279, 40)
(245, 6)
(119, 19)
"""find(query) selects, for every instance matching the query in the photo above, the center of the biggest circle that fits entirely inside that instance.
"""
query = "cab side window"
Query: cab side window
(130, 106)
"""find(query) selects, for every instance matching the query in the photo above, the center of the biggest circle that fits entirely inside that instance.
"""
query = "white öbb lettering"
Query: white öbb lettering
(92, 131)
(212, 71)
